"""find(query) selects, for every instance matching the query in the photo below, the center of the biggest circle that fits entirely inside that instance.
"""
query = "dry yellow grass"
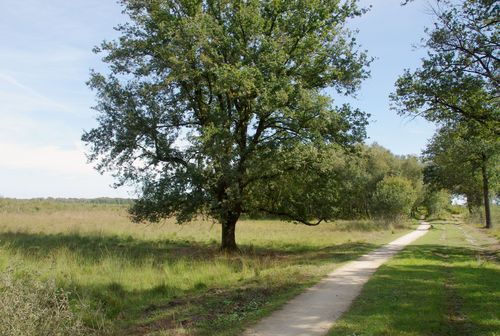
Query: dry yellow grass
(104, 220)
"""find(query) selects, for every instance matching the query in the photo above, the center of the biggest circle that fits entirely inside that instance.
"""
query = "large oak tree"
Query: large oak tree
(218, 107)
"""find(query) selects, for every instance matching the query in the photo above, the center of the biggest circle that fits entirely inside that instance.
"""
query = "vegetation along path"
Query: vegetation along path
(315, 311)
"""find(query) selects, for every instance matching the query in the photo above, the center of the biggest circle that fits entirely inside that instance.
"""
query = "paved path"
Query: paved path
(314, 311)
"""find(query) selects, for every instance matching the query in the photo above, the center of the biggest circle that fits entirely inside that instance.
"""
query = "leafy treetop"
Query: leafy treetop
(459, 79)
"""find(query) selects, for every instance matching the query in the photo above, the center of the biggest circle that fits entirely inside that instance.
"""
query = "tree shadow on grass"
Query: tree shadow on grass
(442, 291)
(203, 311)
(93, 248)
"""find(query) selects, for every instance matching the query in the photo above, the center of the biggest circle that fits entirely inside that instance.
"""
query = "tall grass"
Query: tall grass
(50, 217)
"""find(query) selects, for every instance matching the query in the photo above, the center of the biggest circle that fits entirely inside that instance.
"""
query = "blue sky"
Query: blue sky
(45, 57)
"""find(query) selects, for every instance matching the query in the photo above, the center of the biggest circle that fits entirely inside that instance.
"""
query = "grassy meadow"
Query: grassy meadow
(167, 279)
(447, 283)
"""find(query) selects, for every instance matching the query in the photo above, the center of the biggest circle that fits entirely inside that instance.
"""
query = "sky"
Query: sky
(45, 105)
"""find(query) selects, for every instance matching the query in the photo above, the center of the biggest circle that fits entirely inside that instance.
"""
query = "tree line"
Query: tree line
(457, 87)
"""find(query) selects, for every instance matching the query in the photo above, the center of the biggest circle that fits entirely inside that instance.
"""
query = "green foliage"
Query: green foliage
(437, 203)
(463, 162)
(457, 177)
(394, 197)
(476, 218)
(206, 99)
(289, 194)
(359, 176)
(457, 87)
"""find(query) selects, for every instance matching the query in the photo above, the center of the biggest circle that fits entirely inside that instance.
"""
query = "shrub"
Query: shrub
(394, 198)
(33, 308)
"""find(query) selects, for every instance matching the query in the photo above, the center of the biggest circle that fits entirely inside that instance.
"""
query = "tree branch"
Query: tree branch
(291, 217)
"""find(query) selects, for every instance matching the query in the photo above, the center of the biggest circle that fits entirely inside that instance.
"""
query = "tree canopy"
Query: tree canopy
(218, 107)
(459, 79)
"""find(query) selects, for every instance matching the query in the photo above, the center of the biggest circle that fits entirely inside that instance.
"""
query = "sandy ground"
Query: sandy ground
(316, 310)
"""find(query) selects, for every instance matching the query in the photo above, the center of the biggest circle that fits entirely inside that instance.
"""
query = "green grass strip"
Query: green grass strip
(447, 283)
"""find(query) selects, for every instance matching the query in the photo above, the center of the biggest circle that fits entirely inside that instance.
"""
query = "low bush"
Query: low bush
(393, 198)
(30, 307)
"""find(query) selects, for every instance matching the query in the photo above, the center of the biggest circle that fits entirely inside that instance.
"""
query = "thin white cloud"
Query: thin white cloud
(29, 94)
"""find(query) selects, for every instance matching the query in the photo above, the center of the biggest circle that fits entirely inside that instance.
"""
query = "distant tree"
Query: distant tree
(376, 163)
(211, 106)
(465, 162)
(463, 182)
(355, 191)
(412, 168)
(359, 177)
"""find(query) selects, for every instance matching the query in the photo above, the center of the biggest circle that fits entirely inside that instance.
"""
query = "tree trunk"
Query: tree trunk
(486, 194)
(228, 239)
(470, 208)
